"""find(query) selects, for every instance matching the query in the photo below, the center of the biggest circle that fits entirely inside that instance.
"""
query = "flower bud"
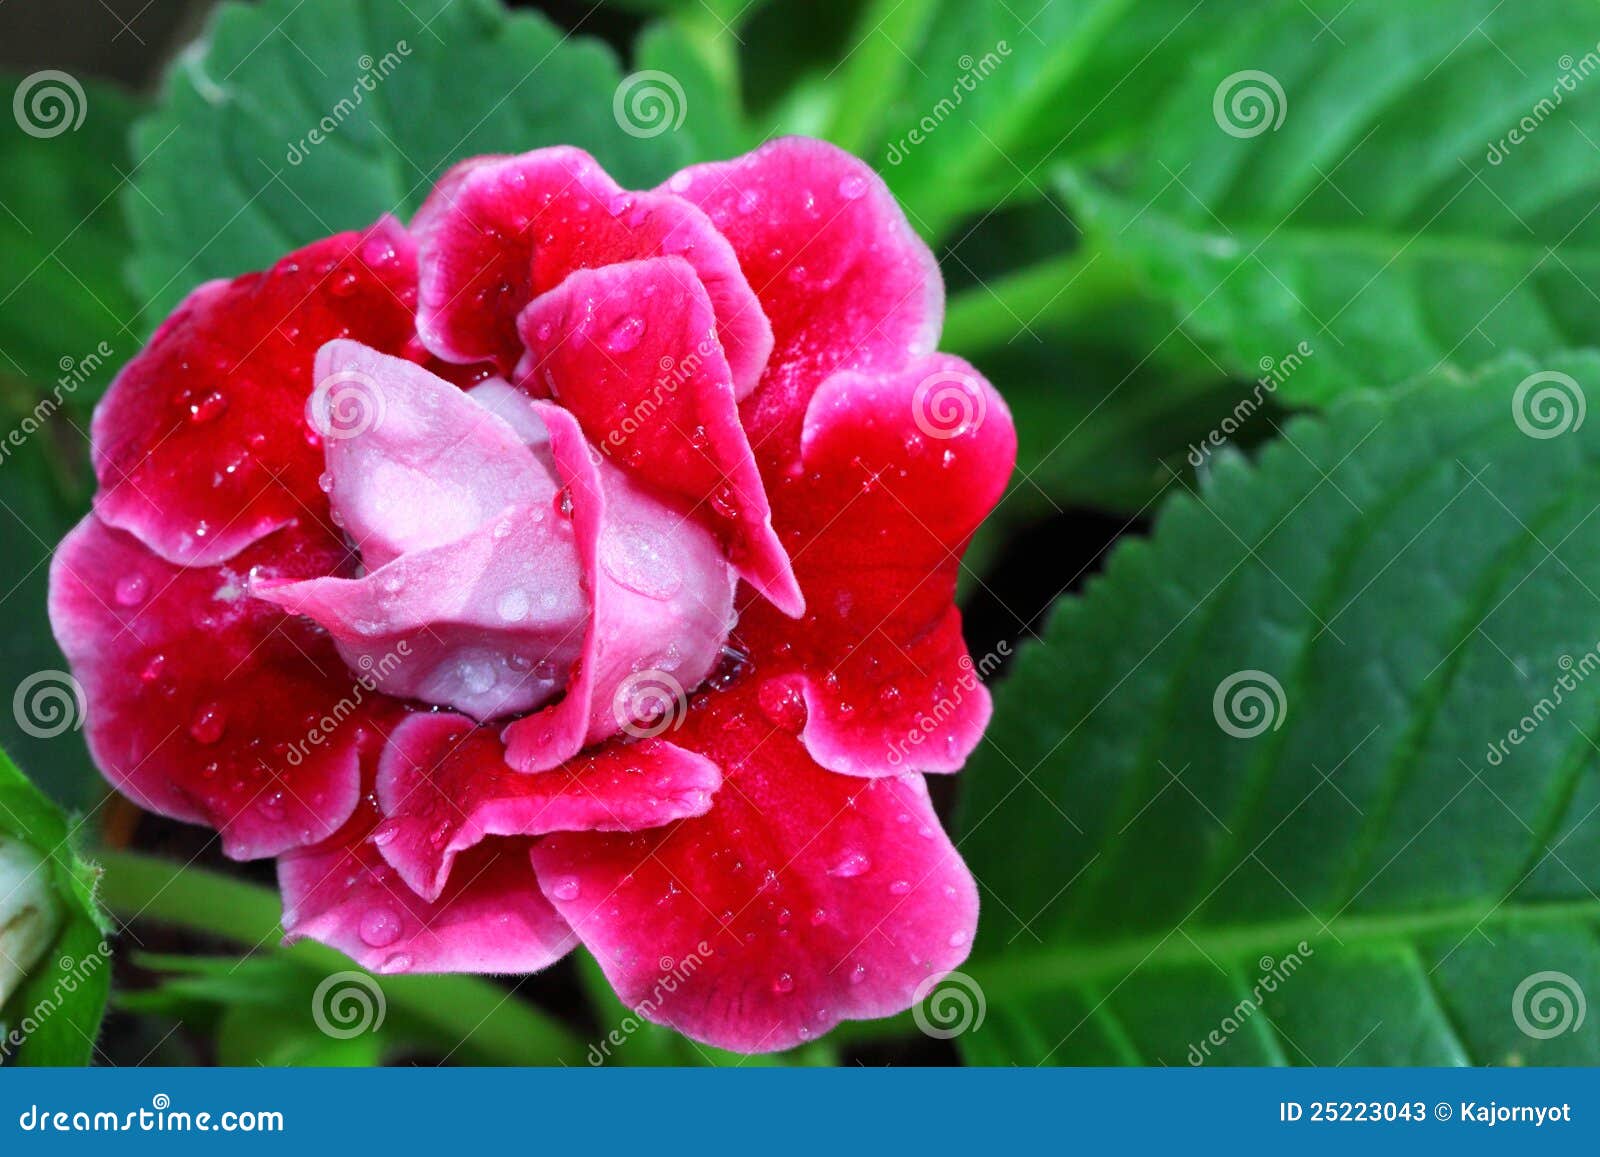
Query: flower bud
(29, 914)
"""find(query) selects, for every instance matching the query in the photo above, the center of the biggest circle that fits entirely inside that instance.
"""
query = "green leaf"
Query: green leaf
(1372, 221)
(56, 1012)
(288, 122)
(63, 234)
(703, 69)
(1355, 874)
(42, 727)
(1001, 91)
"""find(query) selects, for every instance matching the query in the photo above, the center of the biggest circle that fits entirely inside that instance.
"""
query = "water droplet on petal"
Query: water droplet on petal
(566, 888)
(208, 724)
(853, 864)
(208, 408)
(512, 606)
(131, 589)
(380, 927)
(625, 335)
(852, 187)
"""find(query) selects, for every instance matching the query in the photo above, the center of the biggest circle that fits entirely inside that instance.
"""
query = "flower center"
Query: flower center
(504, 566)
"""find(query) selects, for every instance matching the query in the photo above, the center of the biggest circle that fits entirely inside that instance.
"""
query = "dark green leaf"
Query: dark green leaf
(63, 234)
(1407, 581)
(291, 121)
(1374, 221)
(56, 1012)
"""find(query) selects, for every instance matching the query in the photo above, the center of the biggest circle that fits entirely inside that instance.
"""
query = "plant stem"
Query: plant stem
(482, 1019)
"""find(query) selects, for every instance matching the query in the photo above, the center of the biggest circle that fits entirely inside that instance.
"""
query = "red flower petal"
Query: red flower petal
(802, 899)
(498, 231)
(444, 785)
(491, 917)
(841, 276)
(899, 470)
(631, 351)
(201, 445)
(661, 603)
(205, 704)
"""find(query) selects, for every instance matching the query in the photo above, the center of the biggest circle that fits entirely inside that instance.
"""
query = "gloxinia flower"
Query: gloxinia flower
(576, 565)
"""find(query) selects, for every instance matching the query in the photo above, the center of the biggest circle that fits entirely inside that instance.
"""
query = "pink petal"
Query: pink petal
(491, 917)
(801, 899)
(444, 785)
(414, 462)
(472, 596)
(487, 624)
(209, 706)
(839, 272)
(496, 232)
(661, 604)
(201, 445)
(631, 351)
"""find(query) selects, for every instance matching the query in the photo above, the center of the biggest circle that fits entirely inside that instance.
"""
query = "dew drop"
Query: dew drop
(208, 724)
(852, 187)
(566, 888)
(207, 408)
(853, 864)
(512, 606)
(625, 335)
(783, 984)
(782, 704)
(131, 590)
